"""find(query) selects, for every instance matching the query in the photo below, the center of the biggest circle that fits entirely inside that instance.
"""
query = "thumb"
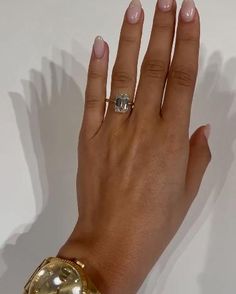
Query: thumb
(199, 158)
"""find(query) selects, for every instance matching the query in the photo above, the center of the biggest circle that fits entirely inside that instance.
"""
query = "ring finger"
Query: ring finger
(124, 72)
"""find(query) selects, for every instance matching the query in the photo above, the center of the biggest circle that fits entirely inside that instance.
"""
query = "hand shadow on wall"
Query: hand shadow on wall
(49, 126)
(218, 275)
(212, 103)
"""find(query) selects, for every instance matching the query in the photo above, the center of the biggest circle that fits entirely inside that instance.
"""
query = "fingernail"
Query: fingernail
(134, 11)
(207, 131)
(99, 47)
(188, 10)
(165, 5)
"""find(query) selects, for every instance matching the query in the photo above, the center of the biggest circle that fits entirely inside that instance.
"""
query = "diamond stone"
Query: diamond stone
(122, 103)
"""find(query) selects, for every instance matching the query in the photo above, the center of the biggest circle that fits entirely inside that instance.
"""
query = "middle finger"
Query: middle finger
(156, 62)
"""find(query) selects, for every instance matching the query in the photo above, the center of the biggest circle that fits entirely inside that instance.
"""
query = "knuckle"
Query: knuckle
(162, 26)
(91, 101)
(94, 74)
(154, 68)
(123, 78)
(189, 39)
(184, 77)
(202, 151)
(204, 154)
(129, 39)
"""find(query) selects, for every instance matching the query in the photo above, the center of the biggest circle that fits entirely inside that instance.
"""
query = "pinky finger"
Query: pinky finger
(95, 93)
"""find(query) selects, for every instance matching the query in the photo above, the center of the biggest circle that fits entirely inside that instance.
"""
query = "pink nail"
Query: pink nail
(165, 5)
(207, 131)
(99, 47)
(188, 10)
(134, 11)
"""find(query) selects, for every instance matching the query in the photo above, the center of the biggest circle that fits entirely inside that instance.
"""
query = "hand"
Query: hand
(138, 172)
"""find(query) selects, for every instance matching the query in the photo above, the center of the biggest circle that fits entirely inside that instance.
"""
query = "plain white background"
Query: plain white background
(44, 52)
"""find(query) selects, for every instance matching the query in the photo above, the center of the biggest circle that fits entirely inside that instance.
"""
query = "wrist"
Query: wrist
(73, 250)
(106, 266)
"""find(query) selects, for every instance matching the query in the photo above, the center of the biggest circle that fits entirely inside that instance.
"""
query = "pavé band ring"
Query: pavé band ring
(122, 103)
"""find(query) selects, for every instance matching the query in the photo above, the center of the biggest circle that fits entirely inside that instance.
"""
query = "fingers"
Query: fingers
(155, 68)
(199, 158)
(183, 71)
(157, 58)
(96, 88)
(125, 69)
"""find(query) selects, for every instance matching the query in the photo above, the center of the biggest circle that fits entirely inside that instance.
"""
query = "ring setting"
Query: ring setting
(122, 103)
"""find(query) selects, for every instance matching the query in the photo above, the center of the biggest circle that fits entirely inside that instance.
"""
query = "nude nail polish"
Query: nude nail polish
(188, 10)
(165, 5)
(134, 11)
(99, 47)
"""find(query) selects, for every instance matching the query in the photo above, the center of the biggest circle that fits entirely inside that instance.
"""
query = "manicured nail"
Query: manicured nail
(188, 10)
(99, 47)
(165, 5)
(207, 131)
(134, 11)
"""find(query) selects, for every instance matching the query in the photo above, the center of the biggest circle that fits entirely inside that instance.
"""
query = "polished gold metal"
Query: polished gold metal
(61, 276)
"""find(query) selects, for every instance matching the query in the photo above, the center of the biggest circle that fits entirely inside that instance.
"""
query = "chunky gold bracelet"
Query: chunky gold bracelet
(58, 275)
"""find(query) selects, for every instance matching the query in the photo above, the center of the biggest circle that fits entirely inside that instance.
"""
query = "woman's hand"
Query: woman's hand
(138, 171)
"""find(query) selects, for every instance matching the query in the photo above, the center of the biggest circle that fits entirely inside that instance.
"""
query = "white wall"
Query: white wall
(44, 51)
